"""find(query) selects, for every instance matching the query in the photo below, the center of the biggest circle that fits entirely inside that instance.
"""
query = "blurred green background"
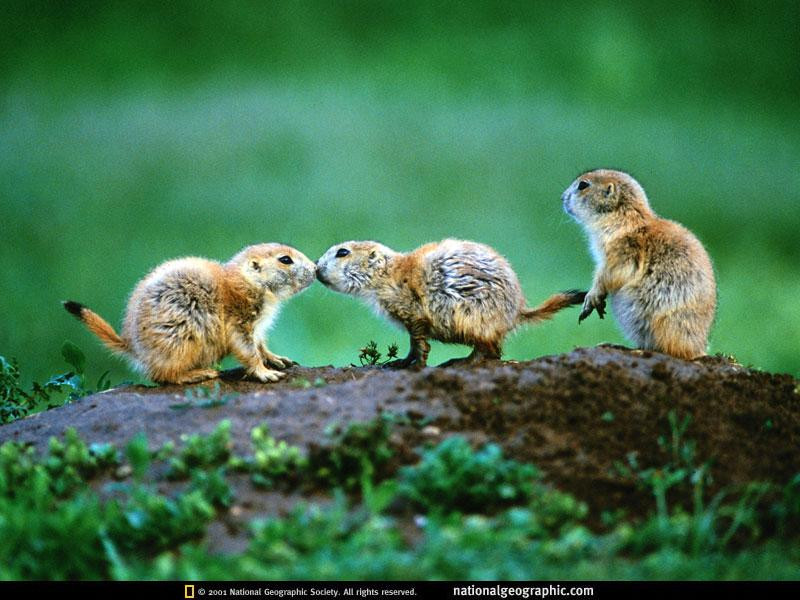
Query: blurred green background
(132, 133)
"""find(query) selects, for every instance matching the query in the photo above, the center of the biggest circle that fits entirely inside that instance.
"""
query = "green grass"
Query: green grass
(455, 477)
(129, 529)
(129, 140)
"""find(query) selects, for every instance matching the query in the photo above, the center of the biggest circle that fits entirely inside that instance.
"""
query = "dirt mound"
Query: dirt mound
(573, 415)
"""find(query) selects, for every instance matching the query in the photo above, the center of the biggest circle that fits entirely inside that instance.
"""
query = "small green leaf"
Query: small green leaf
(68, 379)
(301, 383)
(74, 357)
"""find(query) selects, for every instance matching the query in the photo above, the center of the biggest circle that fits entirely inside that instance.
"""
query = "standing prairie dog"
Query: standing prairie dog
(452, 291)
(189, 313)
(660, 276)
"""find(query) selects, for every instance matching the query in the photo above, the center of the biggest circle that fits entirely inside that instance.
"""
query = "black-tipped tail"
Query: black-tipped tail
(74, 308)
(575, 296)
(552, 305)
(98, 326)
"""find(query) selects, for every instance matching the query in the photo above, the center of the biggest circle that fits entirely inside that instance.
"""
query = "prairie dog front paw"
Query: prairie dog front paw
(593, 301)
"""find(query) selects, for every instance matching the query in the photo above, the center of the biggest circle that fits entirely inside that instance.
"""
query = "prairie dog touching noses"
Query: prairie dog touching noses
(451, 291)
(189, 313)
(658, 273)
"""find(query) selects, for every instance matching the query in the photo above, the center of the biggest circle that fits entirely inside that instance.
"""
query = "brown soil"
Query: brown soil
(573, 415)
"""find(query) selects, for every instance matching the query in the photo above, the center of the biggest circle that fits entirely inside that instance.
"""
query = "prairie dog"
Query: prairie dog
(660, 276)
(189, 313)
(452, 291)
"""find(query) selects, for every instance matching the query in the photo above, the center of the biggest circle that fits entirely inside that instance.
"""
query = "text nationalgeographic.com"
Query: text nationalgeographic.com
(501, 591)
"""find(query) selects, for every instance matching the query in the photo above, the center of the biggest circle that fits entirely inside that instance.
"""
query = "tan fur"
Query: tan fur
(658, 273)
(98, 326)
(547, 309)
(453, 291)
(189, 313)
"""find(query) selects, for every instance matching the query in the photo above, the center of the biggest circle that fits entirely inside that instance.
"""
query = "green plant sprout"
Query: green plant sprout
(369, 355)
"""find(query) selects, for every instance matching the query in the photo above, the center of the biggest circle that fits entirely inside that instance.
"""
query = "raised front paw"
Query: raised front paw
(266, 375)
(593, 302)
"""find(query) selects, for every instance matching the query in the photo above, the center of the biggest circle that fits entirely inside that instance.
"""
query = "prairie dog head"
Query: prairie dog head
(281, 269)
(353, 267)
(600, 197)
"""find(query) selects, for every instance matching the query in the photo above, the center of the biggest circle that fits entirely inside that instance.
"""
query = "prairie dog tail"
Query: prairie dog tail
(98, 326)
(551, 306)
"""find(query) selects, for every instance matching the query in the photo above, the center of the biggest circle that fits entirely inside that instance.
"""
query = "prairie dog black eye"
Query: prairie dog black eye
(583, 185)
(342, 252)
(287, 260)
(255, 266)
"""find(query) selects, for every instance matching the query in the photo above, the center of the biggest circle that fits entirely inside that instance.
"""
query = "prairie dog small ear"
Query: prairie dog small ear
(610, 189)
(255, 265)
(372, 255)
